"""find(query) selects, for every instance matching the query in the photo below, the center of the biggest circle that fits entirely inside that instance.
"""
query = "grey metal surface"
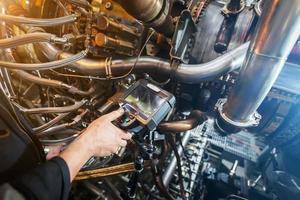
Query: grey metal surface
(277, 32)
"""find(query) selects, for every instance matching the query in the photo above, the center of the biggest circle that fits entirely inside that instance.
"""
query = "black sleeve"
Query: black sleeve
(48, 181)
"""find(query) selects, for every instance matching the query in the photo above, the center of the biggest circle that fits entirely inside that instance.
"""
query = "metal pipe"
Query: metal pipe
(54, 121)
(167, 176)
(42, 81)
(38, 21)
(44, 66)
(276, 34)
(30, 38)
(211, 70)
(193, 120)
(184, 73)
(49, 110)
(55, 129)
(52, 83)
(154, 13)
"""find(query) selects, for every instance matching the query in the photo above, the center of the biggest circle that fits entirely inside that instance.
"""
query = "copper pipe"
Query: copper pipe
(193, 120)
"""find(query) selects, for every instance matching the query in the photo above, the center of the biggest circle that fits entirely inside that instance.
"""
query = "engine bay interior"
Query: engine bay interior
(210, 89)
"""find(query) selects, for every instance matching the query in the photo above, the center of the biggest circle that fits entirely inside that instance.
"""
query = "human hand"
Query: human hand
(103, 138)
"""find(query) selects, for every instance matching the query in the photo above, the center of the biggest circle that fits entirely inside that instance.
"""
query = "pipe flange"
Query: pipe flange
(224, 120)
(258, 6)
(227, 11)
(161, 17)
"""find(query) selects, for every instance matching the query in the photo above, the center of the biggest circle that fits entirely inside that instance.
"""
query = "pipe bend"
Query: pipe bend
(228, 62)
(185, 72)
(193, 120)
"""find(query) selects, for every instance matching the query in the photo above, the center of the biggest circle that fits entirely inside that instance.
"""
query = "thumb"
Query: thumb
(115, 114)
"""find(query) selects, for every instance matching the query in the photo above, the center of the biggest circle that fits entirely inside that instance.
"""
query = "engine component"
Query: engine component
(235, 112)
(61, 70)
(155, 13)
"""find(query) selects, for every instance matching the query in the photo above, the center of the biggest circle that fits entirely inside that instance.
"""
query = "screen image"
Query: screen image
(145, 100)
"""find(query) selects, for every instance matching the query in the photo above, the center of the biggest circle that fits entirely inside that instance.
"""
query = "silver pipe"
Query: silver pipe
(54, 121)
(211, 70)
(52, 83)
(44, 66)
(40, 22)
(184, 73)
(50, 110)
(154, 13)
(276, 34)
(56, 129)
(30, 38)
(167, 176)
(42, 81)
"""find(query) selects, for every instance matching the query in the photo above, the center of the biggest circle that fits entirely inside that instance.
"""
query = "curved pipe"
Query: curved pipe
(184, 73)
(38, 22)
(52, 83)
(44, 66)
(54, 121)
(228, 62)
(43, 81)
(26, 39)
(193, 120)
(50, 110)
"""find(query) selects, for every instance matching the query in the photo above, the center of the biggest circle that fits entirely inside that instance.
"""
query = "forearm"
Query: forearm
(77, 154)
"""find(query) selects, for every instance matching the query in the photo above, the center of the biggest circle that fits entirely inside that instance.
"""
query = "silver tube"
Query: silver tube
(54, 121)
(184, 73)
(274, 38)
(52, 83)
(30, 38)
(25, 39)
(211, 70)
(44, 66)
(42, 81)
(38, 22)
(167, 176)
(50, 110)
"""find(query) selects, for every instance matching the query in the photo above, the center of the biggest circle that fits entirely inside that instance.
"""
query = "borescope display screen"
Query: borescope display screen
(145, 100)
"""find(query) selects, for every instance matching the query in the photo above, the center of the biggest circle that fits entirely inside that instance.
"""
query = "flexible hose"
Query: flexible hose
(50, 110)
(44, 66)
(38, 22)
(52, 83)
(42, 81)
(26, 39)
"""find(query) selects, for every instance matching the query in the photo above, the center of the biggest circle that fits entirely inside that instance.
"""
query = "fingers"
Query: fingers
(114, 115)
(123, 143)
(125, 136)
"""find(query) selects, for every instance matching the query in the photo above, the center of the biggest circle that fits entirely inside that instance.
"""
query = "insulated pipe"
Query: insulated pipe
(276, 34)
(40, 22)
